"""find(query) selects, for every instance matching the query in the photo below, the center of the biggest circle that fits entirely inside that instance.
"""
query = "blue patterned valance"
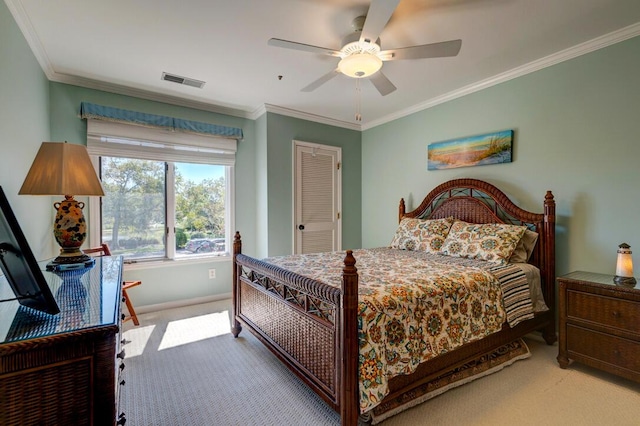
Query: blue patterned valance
(101, 112)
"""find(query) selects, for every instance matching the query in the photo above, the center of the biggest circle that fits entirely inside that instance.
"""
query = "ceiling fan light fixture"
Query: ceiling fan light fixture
(360, 65)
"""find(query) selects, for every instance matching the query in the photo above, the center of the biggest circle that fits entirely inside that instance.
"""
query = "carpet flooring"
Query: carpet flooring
(183, 367)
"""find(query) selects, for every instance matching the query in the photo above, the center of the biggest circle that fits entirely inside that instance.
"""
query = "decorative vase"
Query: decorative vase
(70, 230)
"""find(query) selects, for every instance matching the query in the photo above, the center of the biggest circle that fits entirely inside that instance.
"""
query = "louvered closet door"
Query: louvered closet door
(317, 196)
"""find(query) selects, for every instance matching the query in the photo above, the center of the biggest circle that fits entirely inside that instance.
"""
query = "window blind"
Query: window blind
(116, 139)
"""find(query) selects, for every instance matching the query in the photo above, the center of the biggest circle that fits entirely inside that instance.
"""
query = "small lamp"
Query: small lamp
(624, 267)
(61, 168)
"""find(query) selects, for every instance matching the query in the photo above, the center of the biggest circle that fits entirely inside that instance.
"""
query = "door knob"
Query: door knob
(301, 227)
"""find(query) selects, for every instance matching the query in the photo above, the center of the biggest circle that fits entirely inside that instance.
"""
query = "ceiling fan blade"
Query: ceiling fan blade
(378, 15)
(301, 46)
(322, 80)
(382, 83)
(433, 50)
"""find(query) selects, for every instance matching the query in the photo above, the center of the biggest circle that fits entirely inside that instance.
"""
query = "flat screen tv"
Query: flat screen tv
(20, 266)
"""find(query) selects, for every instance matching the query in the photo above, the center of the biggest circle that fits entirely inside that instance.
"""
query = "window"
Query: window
(162, 200)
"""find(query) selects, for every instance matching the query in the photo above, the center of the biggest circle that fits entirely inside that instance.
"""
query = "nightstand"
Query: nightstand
(599, 324)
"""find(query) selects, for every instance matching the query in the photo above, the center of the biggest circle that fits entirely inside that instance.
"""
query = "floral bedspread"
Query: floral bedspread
(414, 306)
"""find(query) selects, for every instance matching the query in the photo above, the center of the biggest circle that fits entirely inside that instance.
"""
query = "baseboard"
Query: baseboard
(180, 303)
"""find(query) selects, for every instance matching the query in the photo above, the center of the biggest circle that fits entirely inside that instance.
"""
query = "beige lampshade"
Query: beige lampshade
(62, 168)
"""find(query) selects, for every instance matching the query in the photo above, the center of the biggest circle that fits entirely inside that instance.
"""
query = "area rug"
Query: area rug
(484, 365)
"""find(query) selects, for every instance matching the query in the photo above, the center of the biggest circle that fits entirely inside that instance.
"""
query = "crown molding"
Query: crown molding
(20, 16)
(148, 95)
(29, 33)
(553, 59)
(262, 109)
(311, 117)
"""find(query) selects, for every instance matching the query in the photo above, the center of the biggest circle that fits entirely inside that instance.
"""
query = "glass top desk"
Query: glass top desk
(86, 298)
(64, 368)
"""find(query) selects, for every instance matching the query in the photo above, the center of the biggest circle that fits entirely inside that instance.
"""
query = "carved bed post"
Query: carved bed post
(549, 229)
(236, 328)
(401, 210)
(349, 377)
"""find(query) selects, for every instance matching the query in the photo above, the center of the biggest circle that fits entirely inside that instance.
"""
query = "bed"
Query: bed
(313, 326)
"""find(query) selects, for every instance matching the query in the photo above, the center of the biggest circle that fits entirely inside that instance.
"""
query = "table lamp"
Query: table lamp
(624, 266)
(61, 168)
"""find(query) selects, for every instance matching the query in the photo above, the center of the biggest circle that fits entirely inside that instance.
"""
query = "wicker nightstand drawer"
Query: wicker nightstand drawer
(609, 311)
(582, 342)
(599, 324)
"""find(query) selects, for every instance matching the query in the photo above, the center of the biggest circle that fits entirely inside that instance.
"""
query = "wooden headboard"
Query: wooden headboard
(476, 201)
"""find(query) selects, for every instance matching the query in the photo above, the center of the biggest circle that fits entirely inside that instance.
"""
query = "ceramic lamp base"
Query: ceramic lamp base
(70, 231)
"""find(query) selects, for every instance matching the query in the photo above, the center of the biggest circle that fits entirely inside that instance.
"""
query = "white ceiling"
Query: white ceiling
(124, 46)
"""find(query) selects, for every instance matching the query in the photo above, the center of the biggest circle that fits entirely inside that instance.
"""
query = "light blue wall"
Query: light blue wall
(181, 281)
(34, 110)
(24, 125)
(281, 132)
(262, 190)
(577, 133)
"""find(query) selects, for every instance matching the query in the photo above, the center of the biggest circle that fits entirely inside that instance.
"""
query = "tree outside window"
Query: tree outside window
(154, 209)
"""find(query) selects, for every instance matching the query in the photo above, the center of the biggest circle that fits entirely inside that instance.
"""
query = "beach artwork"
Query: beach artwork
(491, 148)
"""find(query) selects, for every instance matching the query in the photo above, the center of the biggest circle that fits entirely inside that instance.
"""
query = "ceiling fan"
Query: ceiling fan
(360, 55)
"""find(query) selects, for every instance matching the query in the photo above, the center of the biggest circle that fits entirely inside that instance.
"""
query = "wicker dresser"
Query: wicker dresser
(599, 324)
(64, 369)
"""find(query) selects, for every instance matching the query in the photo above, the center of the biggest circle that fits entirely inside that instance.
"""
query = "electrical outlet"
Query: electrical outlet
(212, 274)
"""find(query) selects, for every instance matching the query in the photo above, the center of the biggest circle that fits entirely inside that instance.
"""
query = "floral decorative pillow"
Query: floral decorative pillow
(493, 242)
(421, 235)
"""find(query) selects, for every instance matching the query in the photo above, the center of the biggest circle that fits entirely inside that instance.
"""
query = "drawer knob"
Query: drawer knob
(120, 354)
(121, 366)
(615, 314)
(122, 382)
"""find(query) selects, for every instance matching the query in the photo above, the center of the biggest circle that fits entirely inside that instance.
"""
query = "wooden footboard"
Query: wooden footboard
(310, 326)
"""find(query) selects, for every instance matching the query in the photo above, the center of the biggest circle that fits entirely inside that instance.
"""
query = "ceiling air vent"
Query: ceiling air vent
(182, 80)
